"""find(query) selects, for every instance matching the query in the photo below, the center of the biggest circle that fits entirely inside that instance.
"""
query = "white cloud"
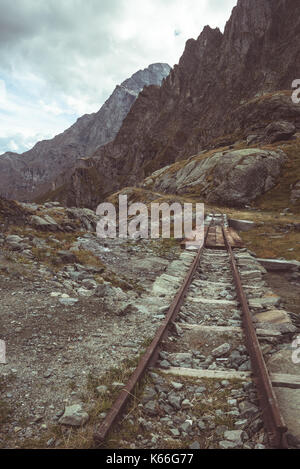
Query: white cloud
(59, 60)
(13, 146)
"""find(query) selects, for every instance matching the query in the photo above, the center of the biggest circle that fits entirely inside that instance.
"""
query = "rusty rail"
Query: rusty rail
(150, 355)
(272, 417)
(273, 420)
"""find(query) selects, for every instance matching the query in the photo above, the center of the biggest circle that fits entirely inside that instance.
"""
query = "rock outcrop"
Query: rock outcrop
(12, 213)
(232, 178)
(25, 177)
(226, 88)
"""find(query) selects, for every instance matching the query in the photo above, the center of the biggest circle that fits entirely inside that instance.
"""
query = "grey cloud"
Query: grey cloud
(72, 53)
(54, 38)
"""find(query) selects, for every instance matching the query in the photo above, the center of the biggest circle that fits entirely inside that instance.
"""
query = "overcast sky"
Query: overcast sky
(60, 59)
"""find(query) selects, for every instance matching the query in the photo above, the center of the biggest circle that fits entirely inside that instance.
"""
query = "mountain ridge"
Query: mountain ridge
(25, 176)
(224, 88)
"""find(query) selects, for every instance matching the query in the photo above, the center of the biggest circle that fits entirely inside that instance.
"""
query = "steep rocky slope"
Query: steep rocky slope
(227, 88)
(25, 176)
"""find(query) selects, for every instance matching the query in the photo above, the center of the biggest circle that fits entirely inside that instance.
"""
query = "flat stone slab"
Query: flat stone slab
(279, 380)
(208, 374)
(289, 404)
(275, 316)
(241, 225)
(215, 255)
(279, 264)
(246, 264)
(285, 380)
(228, 330)
(165, 286)
(178, 266)
(282, 362)
(211, 302)
(286, 374)
(251, 276)
(150, 263)
(204, 283)
(264, 302)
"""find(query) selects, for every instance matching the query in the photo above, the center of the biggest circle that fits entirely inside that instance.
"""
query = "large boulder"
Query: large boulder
(241, 176)
(241, 225)
(232, 178)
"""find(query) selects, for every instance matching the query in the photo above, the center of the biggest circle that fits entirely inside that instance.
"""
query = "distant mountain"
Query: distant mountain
(25, 177)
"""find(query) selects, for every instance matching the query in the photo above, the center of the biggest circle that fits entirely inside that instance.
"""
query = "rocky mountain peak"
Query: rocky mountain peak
(249, 17)
(152, 75)
(212, 97)
(26, 176)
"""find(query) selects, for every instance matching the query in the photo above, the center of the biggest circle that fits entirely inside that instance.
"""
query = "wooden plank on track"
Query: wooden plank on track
(208, 374)
(284, 380)
(278, 379)
(228, 329)
(211, 238)
(219, 238)
(215, 238)
(237, 241)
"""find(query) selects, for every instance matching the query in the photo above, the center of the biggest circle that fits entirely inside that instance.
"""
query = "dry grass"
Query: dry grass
(278, 198)
(269, 241)
(271, 238)
(64, 437)
(267, 96)
(88, 258)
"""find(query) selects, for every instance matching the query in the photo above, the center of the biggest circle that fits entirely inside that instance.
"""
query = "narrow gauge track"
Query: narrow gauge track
(216, 227)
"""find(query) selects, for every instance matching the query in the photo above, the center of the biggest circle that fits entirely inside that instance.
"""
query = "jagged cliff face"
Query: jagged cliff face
(26, 176)
(223, 90)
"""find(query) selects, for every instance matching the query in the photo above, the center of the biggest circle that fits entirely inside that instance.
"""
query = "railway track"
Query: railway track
(208, 336)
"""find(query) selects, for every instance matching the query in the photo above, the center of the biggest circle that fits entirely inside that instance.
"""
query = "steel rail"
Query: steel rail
(272, 417)
(150, 355)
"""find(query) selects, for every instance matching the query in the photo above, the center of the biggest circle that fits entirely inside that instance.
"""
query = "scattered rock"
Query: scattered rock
(68, 301)
(101, 390)
(195, 445)
(221, 350)
(74, 416)
(150, 408)
(175, 401)
(247, 409)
